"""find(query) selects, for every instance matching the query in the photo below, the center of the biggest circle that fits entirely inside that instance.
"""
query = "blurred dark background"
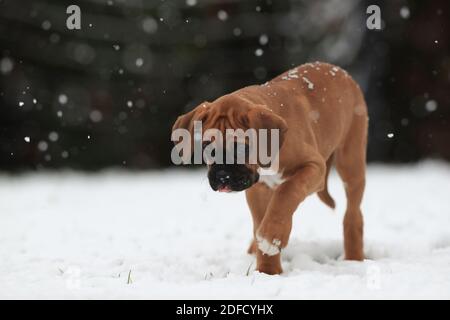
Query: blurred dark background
(107, 95)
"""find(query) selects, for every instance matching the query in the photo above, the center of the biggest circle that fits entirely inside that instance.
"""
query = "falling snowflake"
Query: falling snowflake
(96, 116)
(27, 139)
(42, 146)
(222, 15)
(149, 25)
(263, 39)
(431, 105)
(404, 12)
(6, 65)
(46, 25)
(62, 98)
(237, 32)
(259, 52)
(139, 62)
(53, 136)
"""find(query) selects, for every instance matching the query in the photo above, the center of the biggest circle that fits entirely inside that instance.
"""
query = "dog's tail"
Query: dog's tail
(323, 194)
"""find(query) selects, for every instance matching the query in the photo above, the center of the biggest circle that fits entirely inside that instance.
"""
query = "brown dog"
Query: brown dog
(322, 117)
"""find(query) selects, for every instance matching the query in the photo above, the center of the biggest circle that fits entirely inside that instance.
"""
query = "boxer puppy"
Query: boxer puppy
(322, 119)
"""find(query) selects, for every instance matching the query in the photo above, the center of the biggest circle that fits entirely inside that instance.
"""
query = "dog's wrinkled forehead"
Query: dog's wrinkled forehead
(231, 112)
(226, 113)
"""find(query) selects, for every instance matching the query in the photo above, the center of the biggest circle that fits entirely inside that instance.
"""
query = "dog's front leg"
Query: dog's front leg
(275, 228)
(258, 198)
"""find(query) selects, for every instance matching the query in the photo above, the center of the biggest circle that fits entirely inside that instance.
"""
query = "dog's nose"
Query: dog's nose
(222, 176)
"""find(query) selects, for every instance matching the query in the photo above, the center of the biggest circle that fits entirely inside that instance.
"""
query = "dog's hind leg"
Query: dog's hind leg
(351, 166)
(258, 198)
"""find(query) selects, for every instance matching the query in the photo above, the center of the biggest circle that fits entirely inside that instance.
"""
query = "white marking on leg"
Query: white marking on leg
(268, 248)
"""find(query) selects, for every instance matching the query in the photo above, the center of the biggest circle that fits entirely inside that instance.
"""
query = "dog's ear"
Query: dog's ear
(260, 117)
(186, 141)
(186, 121)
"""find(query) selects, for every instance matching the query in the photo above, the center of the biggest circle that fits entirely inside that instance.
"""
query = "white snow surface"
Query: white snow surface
(77, 236)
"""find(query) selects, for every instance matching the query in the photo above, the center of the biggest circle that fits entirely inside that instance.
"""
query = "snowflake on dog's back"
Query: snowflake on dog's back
(335, 70)
(292, 74)
(309, 83)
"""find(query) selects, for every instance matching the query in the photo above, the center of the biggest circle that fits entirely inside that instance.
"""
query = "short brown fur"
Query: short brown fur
(322, 115)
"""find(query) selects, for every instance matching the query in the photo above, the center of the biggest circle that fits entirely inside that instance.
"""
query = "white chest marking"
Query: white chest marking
(271, 179)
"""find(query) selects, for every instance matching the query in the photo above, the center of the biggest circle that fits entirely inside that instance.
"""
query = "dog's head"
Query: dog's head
(238, 172)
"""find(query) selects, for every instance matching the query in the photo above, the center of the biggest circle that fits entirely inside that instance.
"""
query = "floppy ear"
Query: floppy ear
(259, 117)
(186, 121)
(184, 140)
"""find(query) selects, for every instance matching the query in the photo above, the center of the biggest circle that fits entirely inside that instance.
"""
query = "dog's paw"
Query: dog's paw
(272, 237)
(271, 269)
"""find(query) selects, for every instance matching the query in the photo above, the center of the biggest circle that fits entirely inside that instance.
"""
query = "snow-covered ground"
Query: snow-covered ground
(167, 235)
